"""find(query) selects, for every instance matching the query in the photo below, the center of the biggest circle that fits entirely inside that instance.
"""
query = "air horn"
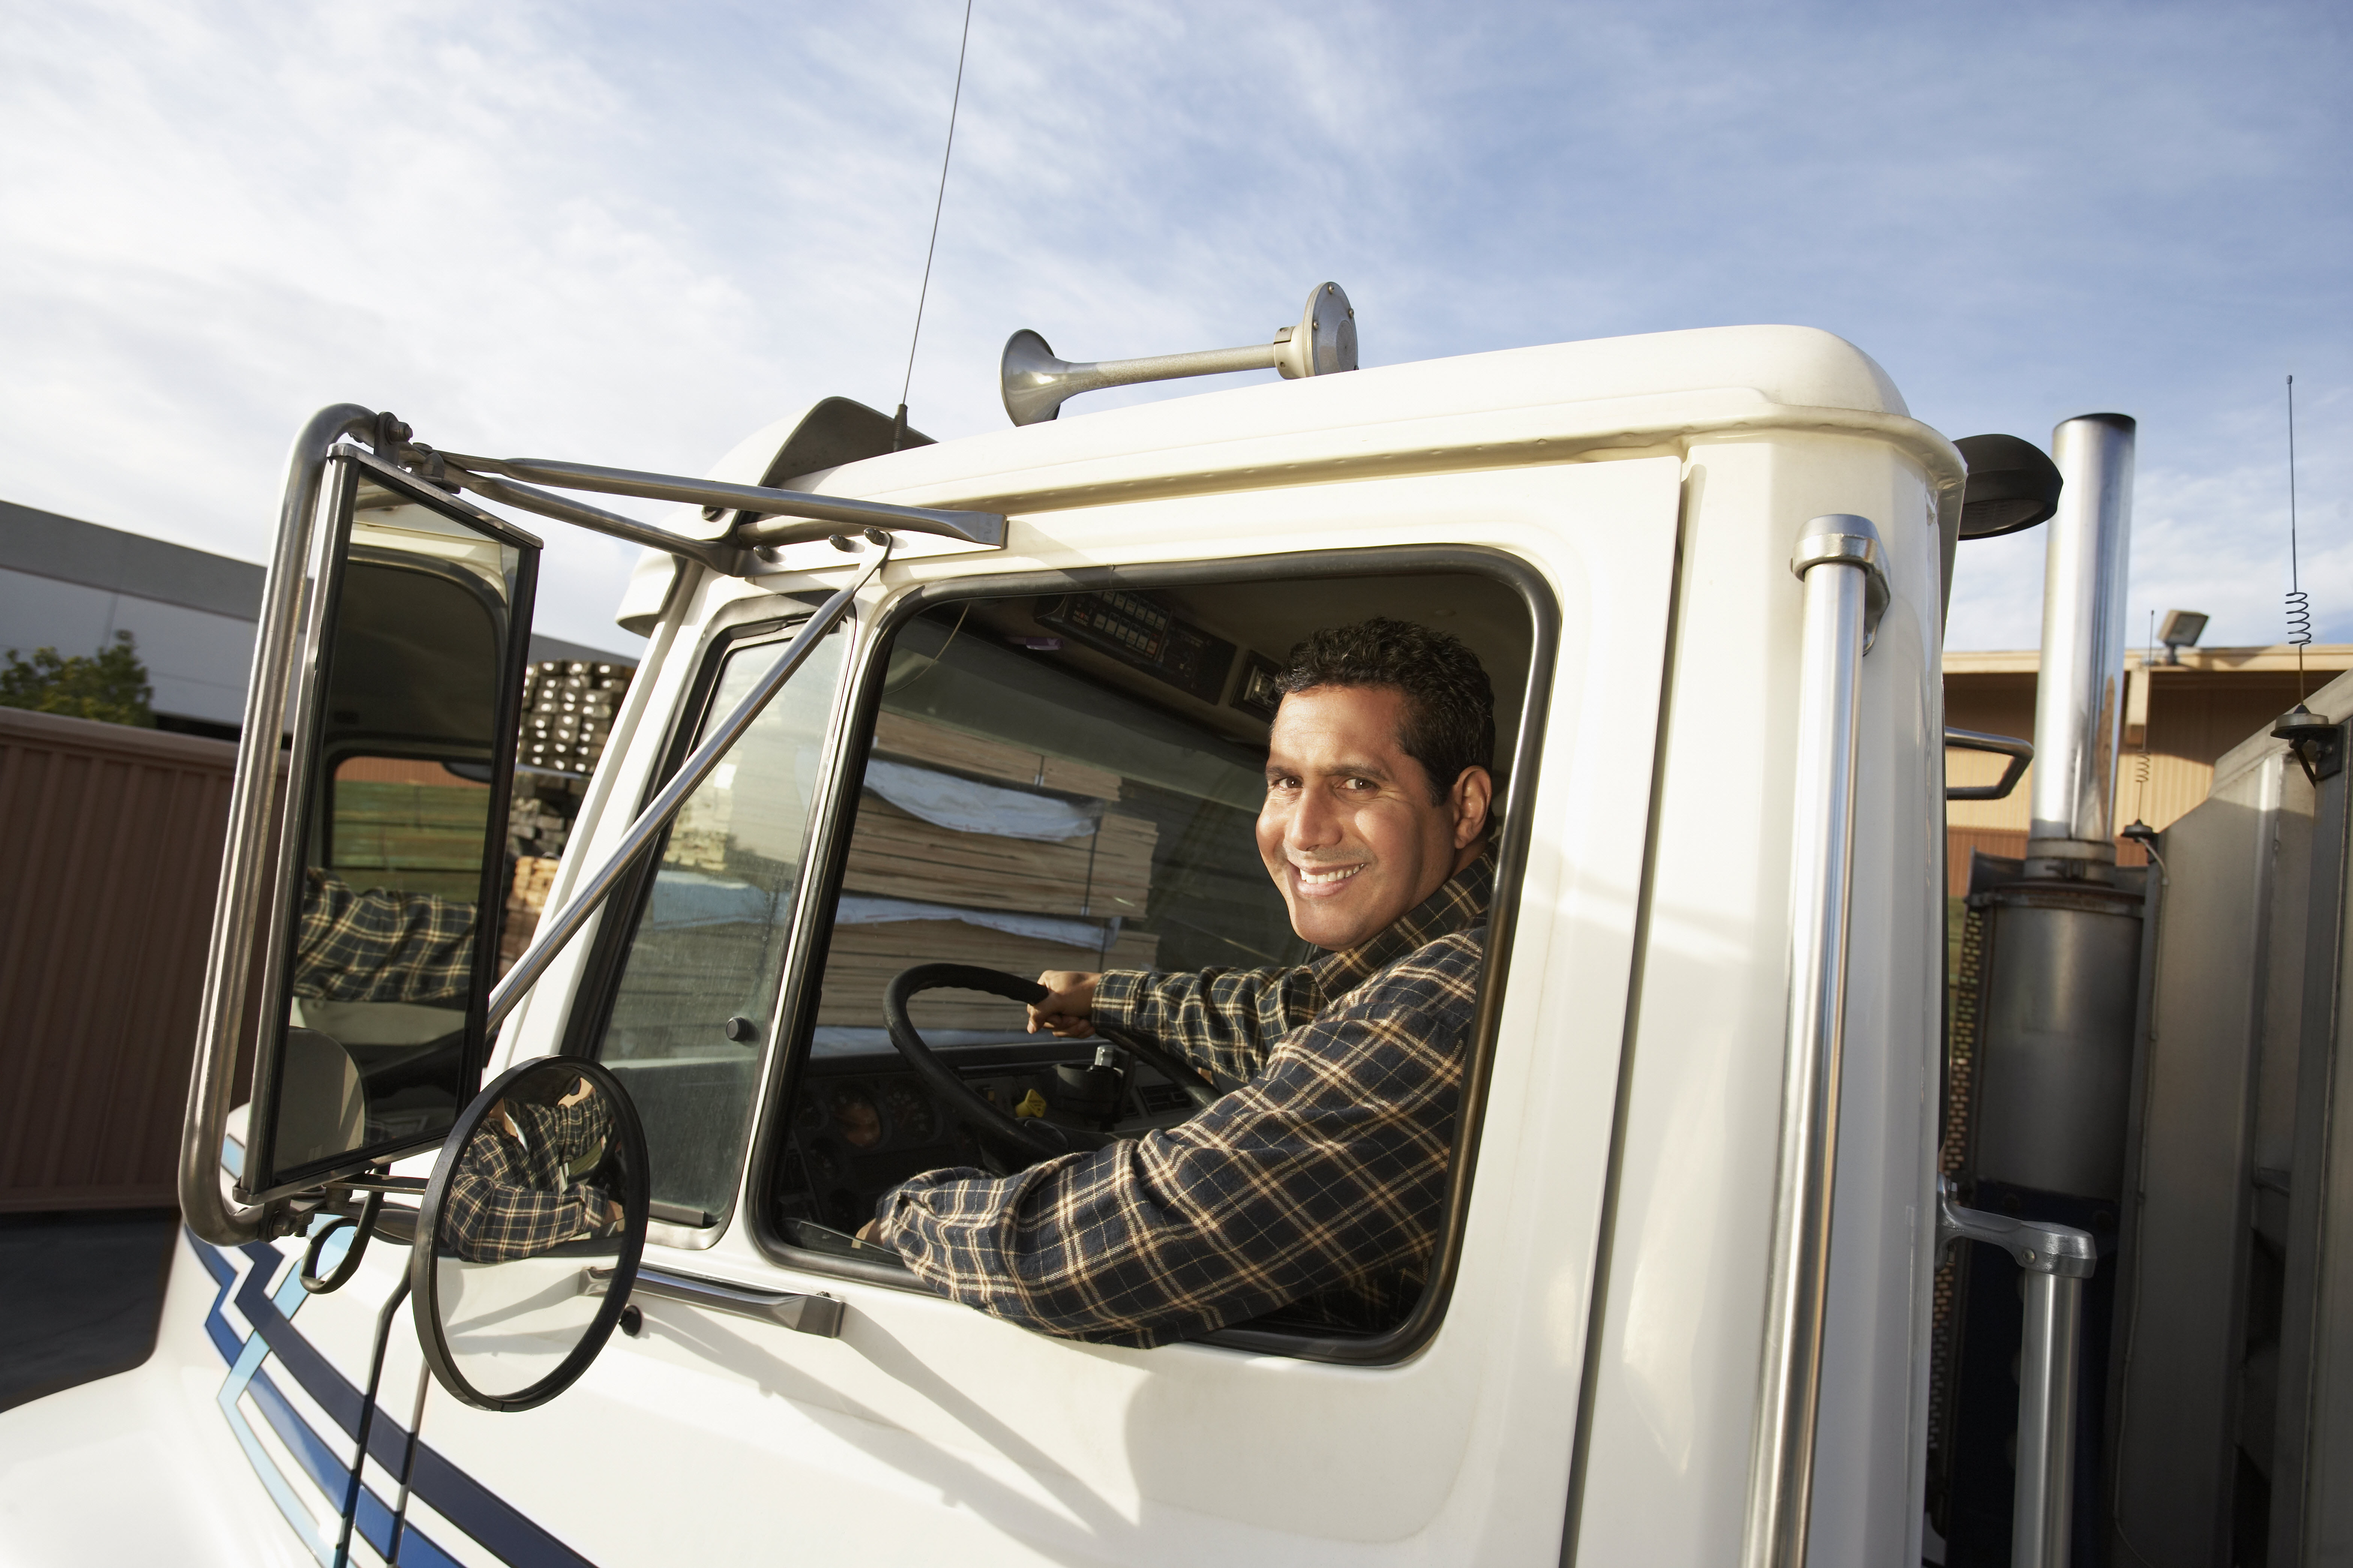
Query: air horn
(1037, 383)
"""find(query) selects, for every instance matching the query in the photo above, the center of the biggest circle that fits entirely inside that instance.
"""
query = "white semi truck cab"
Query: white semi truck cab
(1733, 1265)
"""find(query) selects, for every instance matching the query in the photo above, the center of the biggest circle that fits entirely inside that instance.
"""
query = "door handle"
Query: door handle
(801, 1312)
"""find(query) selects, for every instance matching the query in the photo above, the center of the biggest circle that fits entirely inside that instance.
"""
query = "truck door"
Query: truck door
(1046, 759)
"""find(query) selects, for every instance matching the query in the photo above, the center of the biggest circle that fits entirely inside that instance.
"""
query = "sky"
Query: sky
(634, 234)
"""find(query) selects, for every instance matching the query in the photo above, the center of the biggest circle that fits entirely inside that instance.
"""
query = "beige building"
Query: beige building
(2179, 718)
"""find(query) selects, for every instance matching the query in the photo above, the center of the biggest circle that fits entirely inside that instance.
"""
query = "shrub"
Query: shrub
(111, 685)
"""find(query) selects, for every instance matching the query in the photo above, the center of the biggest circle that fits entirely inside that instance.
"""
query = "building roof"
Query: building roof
(67, 550)
(72, 551)
(2267, 658)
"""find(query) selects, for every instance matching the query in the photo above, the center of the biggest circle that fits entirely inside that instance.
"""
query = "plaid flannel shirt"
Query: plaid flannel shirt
(1317, 1186)
(517, 1197)
(380, 946)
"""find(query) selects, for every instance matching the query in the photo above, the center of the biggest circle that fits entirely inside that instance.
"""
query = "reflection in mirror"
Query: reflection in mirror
(536, 1204)
(395, 848)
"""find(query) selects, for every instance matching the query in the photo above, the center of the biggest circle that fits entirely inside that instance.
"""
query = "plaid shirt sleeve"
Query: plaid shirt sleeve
(513, 1199)
(381, 946)
(1223, 1019)
(1318, 1184)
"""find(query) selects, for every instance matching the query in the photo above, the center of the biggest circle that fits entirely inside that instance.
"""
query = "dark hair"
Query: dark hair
(1449, 704)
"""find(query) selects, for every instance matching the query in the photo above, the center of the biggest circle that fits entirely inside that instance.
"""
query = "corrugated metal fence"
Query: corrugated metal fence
(109, 852)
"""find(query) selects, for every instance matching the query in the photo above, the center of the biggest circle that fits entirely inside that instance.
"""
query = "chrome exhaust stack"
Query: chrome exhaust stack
(2063, 942)
(1036, 384)
(2079, 700)
(2040, 1067)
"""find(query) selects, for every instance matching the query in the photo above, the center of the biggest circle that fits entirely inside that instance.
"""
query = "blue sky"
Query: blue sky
(634, 234)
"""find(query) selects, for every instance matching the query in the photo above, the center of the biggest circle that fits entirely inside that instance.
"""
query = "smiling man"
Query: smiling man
(1316, 1186)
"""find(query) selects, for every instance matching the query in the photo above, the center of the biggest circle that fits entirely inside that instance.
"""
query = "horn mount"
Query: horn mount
(1036, 383)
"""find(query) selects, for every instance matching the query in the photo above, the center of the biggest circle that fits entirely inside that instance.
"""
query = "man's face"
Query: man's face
(1349, 832)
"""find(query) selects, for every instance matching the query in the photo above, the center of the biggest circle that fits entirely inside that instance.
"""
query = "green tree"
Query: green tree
(111, 685)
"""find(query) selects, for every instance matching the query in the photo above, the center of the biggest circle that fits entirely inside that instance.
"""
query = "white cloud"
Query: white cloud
(598, 231)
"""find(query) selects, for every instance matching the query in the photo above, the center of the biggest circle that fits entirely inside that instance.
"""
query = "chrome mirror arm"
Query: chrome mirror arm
(567, 921)
(246, 860)
(718, 555)
(771, 516)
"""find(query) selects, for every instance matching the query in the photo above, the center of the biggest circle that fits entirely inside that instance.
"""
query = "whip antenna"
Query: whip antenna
(2299, 603)
(899, 420)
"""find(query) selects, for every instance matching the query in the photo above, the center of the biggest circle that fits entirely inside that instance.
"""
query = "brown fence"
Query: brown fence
(109, 851)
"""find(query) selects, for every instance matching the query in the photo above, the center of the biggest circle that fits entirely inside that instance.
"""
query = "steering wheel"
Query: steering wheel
(1029, 1138)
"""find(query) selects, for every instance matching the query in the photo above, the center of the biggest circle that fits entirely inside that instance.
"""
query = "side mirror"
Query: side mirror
(2013, 486)
(528, 1239)
(392, 860)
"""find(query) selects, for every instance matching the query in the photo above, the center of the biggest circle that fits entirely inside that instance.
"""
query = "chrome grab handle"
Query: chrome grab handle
(802, 1313)
(2019, 753)
(1839, 560)
(2057, 1259)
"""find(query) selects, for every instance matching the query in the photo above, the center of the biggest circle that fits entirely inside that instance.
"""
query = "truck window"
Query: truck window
(692, 976)
(1058, 782)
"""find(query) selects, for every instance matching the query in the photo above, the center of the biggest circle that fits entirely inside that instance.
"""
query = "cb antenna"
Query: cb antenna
(2299, 603)
(899, 420)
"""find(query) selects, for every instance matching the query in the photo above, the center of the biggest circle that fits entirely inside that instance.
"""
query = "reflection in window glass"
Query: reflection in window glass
(698, 986)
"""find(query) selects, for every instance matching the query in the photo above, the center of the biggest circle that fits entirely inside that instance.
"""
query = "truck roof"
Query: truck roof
(1607, 397)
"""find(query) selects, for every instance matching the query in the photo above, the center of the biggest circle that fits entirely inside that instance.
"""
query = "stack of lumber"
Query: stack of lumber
(936, 745)
(567, 713)
(1103, 877)
(533, 875)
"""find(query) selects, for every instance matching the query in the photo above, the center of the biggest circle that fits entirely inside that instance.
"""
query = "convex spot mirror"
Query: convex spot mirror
(528, 1239)
(2013, 485)
(393, 859)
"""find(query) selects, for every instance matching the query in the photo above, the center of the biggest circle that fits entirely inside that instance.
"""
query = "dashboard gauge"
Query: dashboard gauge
(910, 1111)
(855, 1117)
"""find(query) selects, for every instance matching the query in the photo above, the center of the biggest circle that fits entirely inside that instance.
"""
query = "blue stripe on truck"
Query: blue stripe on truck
(448, 1491)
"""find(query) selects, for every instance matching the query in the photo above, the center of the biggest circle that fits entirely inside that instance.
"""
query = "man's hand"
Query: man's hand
(1069, 1010)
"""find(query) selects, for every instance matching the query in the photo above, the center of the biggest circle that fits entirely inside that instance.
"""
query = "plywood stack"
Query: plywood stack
(1094, 886)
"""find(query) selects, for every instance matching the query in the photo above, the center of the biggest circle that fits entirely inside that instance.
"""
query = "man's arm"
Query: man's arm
(1226, 1020)
(379, 946)
(1327, 1171)
(495, 1212)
